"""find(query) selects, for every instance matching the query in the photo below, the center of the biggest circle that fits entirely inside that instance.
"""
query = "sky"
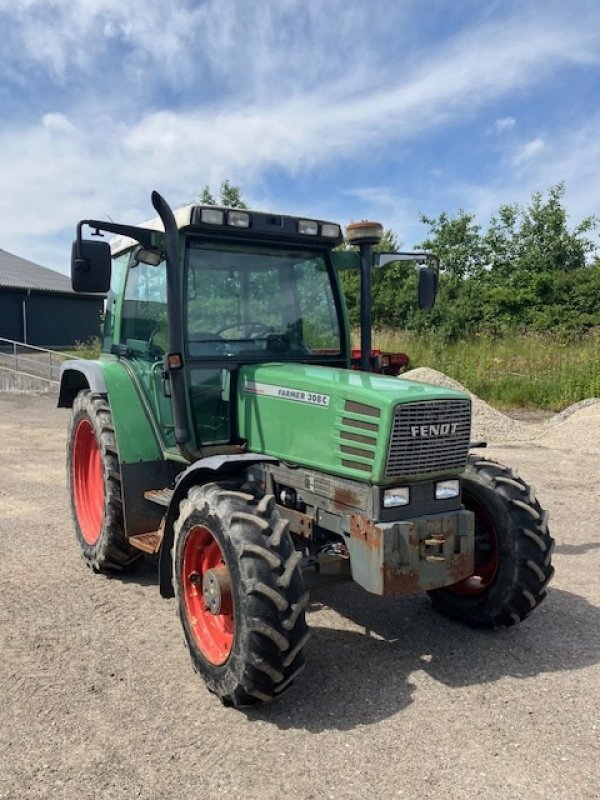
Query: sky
(333, 109)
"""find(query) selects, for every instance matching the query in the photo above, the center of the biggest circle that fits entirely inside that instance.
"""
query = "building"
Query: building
(38, 306)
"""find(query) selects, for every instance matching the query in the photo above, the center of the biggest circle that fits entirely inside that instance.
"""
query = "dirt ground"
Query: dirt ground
(98, 698)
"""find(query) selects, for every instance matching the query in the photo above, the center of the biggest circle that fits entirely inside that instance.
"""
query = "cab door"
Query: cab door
(144, 338)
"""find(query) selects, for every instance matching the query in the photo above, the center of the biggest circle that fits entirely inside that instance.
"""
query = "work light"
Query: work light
(211, 215)
(330, 230)
(308, 227)
(238, 219)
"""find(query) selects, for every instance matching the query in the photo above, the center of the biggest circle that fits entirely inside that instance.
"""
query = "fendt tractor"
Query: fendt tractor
(224, 429)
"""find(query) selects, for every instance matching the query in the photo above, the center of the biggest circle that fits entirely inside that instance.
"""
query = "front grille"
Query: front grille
(429, 437)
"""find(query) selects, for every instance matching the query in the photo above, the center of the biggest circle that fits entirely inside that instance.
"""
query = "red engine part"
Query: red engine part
(383, 363)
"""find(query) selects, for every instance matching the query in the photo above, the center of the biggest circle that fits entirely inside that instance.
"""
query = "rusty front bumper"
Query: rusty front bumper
(393, 558)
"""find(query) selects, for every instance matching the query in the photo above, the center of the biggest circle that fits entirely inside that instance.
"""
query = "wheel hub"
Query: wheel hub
(216, 590)
(208, 595)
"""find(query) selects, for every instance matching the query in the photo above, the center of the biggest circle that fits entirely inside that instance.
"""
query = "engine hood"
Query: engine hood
(336, 420)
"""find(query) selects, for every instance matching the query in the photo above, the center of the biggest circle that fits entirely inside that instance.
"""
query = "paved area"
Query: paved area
(98, 698)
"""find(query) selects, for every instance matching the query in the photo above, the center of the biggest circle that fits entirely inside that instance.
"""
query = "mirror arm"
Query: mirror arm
(142, 235)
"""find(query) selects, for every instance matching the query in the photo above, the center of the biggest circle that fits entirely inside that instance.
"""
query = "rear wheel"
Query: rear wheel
(240, 593)
(513, 550)
(94, 481)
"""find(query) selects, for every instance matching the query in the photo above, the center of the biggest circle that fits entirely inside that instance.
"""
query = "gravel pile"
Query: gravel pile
(558, 419)
(576, 430)
(577, 427)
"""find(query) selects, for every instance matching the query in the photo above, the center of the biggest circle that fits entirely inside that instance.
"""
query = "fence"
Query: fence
(29, 360)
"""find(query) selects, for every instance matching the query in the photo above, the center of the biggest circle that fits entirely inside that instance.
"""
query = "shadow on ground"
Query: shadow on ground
(576, 549)
(360, 677)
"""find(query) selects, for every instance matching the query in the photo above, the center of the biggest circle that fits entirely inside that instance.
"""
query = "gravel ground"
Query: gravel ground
(99, 699)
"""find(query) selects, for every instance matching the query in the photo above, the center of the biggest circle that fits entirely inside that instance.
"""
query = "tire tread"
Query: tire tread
(273, 632)
(520, 587)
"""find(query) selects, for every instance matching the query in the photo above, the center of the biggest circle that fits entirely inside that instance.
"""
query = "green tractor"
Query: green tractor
(224, 429)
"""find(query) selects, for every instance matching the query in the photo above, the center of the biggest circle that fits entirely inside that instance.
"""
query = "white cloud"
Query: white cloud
(293, 101)
(58, 123)
(257, 48)
(504, 124)
(529, 150)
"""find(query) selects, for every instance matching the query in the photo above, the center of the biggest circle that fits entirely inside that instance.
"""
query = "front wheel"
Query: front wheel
(240, 594)
(513, 551)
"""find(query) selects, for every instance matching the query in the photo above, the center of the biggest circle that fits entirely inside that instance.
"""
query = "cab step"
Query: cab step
(148, 542)
(162, 497)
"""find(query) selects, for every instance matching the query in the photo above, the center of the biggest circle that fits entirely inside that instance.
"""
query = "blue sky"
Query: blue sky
(340, 109)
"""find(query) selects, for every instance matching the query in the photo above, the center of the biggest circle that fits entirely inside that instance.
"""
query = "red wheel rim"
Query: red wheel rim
(486, 553)
(212, 633)
(88, 482)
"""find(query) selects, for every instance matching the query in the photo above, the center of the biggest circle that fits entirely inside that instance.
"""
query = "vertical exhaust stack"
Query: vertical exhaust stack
(365, 235)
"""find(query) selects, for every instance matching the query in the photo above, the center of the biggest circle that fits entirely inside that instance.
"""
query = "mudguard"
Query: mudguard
(203, 471)
(78, 374)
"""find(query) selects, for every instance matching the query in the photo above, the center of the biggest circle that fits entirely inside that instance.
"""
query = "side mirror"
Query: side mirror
(90, 266)
(147, 255)
(427, 288)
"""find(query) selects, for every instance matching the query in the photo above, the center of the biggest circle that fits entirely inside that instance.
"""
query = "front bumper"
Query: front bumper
(410, 556)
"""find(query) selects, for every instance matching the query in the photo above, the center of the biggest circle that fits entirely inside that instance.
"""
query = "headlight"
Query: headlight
(446, 490)
(396, 497)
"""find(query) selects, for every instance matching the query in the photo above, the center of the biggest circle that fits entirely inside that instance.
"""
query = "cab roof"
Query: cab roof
(229, 222)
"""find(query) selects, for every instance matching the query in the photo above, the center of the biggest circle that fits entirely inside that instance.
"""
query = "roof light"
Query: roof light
(367, 232)
(212, 215)
(329, 229)
(308, 227)
(239, 219)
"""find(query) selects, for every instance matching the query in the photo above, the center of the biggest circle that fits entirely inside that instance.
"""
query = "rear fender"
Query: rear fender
(141, 462)
(205, 470)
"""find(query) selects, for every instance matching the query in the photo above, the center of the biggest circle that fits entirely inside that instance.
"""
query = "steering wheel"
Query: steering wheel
(155, 350)
(259, 327)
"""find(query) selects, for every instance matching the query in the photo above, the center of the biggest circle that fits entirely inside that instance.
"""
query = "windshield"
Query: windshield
(259, 303)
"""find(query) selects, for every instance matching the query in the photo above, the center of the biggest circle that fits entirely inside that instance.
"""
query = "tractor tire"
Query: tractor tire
(513, 549)
(94, 481)
(240, 593)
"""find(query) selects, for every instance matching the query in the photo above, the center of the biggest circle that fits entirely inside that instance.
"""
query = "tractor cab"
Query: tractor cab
(196, 294)
(262, 291)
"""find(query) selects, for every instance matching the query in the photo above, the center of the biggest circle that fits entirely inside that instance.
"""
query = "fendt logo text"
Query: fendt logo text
(426, 431)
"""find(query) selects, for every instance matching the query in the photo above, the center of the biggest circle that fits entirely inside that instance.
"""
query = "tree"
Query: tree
(544, 241)
(458, 243)
(501, 241)
(510, 277)
(231, 196)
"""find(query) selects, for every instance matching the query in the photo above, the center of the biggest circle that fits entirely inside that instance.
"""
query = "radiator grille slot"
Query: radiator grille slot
(357, 437)
(429, 437)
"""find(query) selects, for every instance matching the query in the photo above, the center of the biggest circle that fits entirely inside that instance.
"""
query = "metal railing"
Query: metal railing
(29, 360)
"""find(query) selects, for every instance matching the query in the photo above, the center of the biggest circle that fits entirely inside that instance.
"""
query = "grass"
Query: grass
(528, 371)
(89, 349)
